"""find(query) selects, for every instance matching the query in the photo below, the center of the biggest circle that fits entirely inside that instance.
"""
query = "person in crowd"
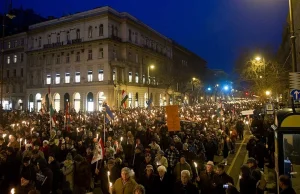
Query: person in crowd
(222, 179)
(180, 166)
(148, 180)
(286, 185)
(139, 189)
(160, 159)
(125, 184)
(162, 182)
(207, 179)
(82, 175)
(240, 128)
(185, 185)
(172, 155)
(44, 177)
(247, 182)
(57, 174)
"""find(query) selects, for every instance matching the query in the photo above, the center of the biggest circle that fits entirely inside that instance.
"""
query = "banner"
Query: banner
(173, 120)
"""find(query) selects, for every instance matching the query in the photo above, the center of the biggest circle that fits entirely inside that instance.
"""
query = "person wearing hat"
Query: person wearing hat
(180, 166)
(147, 161)
(172, 155)
(148, 180)
(160, 159)
(207, 179)
(254, 170)
(57, 174)
(68, 170)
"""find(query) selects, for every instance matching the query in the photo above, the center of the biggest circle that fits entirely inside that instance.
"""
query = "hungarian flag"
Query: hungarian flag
(124, 98)
(98, 153)
(51, 110)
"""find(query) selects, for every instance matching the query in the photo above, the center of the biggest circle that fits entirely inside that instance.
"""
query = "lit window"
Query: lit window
(136, 58)
(90, 55)
(90, 76)
(77, 34)
(67, 78)
(8, 45)
(57, 79)
(144, 79)
(78, 56)
(130, 76)
(100, 53)
(48, 79)
(77, 77)
(16, 43)
(136, 78)
(15, 58)
(90, 32)
(101, 75)
(68, 58)
(101, 30)
(114, 75)
(8, 59)
(58, 59)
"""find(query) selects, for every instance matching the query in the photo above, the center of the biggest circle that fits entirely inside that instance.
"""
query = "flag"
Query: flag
(124, 98)
(51, 110)
(98, 152)
(67, 117)
(149, 103)
(108, 114)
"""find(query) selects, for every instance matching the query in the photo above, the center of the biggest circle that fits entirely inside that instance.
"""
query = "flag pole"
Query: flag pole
(104, 126)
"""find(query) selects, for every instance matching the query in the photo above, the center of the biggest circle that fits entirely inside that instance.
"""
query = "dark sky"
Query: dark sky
(214, 29)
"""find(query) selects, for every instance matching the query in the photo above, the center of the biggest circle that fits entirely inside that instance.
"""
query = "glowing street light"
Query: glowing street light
(226, 88)
(209, 89)
(268, 93)
(257, 58)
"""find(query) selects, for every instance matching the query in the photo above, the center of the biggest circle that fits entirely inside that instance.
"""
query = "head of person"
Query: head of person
(149, 170)
(220, 169)
(284, 182)
(251, 162)
(139, 189)
(160, 153)
(182, 160)
(148, 157)
(209, 166)
(185, 177)
(172, 146)
(26, 161)
(161, 171)
(125, 174)
(245, 171)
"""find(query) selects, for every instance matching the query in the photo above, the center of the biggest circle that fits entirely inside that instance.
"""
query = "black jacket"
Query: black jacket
(220, 181)
(190, 188)
(162, 186)
(288, 190)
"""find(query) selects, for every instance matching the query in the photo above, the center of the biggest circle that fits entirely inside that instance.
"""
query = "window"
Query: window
(57, 59)
(117, 31)
(49, 39)
(58, 37)
(136, 77)
(136, 37)
(77, 34)
(68, 36)
(57, 79)
(130, 76)
(48, 81)
(144, 79)
(101, 30)
(100, 75)
(114, 75)
(78, 56)
(22, 57)
(77, 77)
(112, 30)
(67, 78)
(15, 73)
(15, 43)
(8, 45)
(90, 55)
(22, 72)
(15, 58)
(129, 35)
(90, 76)
(40, 41)
(90, 32)
(8, 59)
(7, 73)
(68, 58)
(100, 53)
(136, 58)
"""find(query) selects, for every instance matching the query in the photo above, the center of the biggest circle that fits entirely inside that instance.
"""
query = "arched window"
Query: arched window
(101, 30)
(31, 103)
(38, 99)
(145, 99)
(56, 99)
(130, 100)
(90, 32)
(90, 102)
(77, 102)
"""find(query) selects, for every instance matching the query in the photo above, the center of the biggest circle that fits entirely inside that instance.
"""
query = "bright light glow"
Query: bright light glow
(257, 58)
(12, 191)
(209, 89)
(152, 66)
(226, 88)
(194, 79)
(268, 93)
(195, 164)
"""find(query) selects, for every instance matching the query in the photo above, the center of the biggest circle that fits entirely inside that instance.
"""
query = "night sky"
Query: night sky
(216, 30)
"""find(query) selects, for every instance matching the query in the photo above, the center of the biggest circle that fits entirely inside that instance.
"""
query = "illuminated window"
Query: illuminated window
(77, 77)
(90, 76)
(101, 75)
(144, 80)
(136, 78)
(130, 76)
(57, 79)
(114, 75)
(48, 80)
(67, 78)
(8, 59)
(15, 58)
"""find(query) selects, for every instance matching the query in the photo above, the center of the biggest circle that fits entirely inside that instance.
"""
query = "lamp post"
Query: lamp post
(293, 37)
(149, 67)
(10, 16)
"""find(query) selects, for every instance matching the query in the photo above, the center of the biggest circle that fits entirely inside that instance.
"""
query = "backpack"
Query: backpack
(261, 184)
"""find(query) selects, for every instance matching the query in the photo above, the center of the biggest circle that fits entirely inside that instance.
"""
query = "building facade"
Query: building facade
(92, 57)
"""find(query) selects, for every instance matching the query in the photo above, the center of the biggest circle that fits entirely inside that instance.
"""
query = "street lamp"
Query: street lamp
(268, 93)
(149, 67)
(257, 58)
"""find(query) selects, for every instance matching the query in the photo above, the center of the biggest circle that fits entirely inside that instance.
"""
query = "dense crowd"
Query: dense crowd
(140, 154)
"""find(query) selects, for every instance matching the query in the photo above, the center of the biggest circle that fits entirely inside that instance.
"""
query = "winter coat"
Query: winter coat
(120, 188)
(190, 188)
(207, 182)
(68, 171)
(162, 185)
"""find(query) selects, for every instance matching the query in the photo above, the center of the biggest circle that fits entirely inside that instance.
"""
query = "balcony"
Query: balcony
(53, 45)
(78, 40)
(116, 38)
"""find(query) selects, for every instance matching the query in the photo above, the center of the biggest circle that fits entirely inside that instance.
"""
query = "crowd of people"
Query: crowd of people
(140, 154)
